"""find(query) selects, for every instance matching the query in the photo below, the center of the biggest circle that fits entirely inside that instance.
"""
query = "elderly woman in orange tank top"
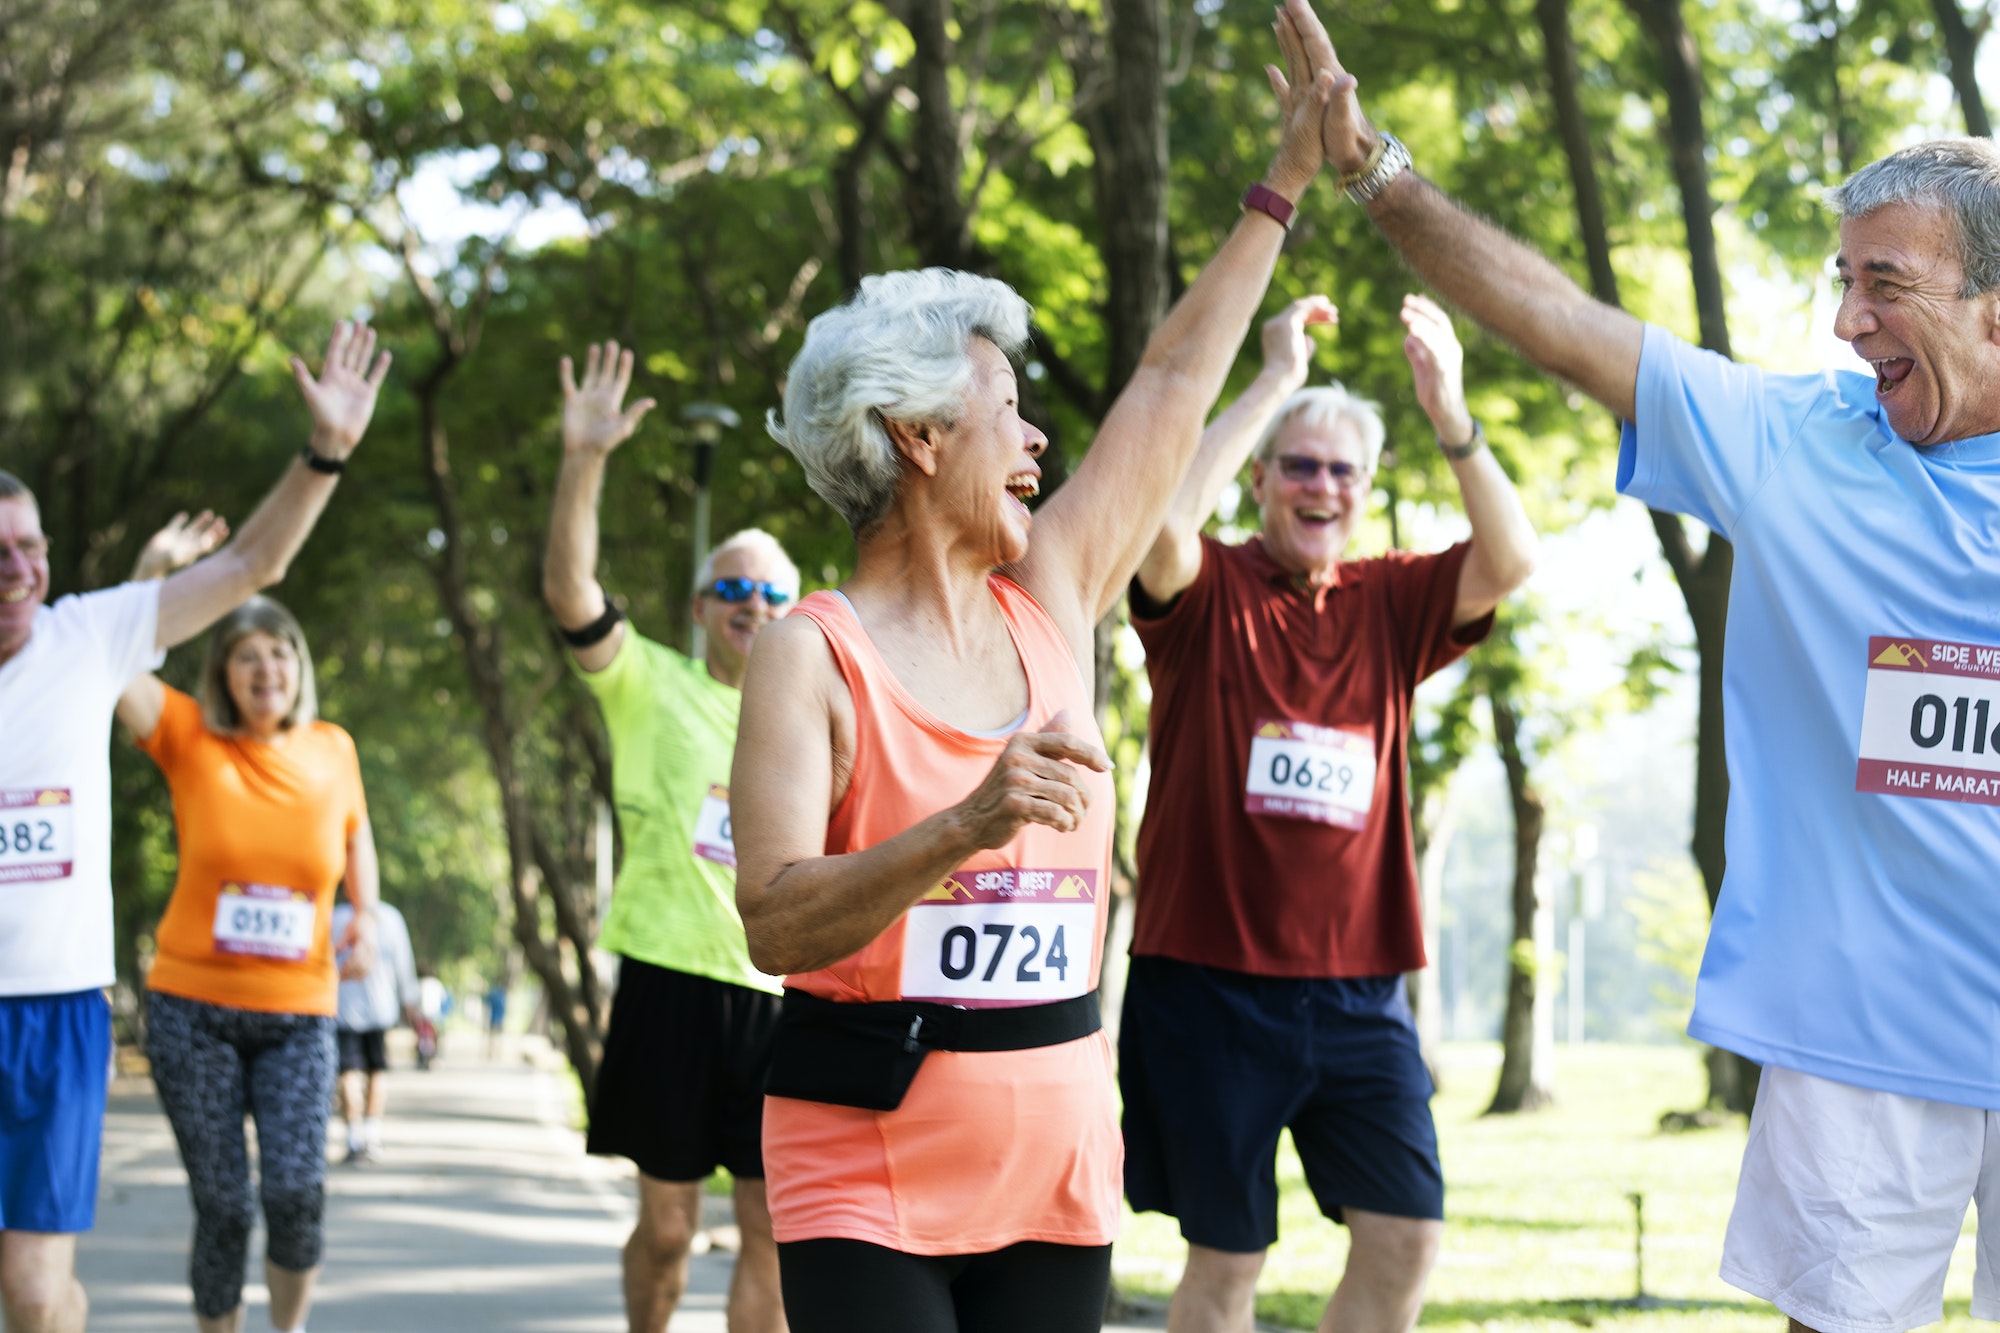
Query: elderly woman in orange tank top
(922, 805)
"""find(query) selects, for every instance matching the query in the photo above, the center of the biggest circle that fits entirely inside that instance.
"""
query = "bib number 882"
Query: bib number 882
(958, 952)
(28, 836)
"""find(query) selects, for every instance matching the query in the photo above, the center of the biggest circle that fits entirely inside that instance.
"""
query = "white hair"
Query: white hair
(899, 349)
(1959, 175)
(755, 540)
(1325, 407)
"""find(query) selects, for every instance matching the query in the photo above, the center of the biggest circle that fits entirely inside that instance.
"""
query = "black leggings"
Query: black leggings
(850, 1286)
(211, 1064)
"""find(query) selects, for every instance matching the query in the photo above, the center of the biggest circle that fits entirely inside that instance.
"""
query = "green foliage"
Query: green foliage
(1672, 916)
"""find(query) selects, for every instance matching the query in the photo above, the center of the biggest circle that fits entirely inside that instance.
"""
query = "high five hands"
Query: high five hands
(594, 418)
(1304, 91)
(1346, 137)
(342, 399)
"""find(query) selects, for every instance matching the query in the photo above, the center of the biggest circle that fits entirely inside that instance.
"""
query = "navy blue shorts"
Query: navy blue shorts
(55, 1054)
(1213, 1064)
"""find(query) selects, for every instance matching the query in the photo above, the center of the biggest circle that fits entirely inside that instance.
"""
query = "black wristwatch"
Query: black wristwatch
(333, 467)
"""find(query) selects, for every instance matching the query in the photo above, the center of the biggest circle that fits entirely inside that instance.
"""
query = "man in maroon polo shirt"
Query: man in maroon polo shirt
(1277, 890)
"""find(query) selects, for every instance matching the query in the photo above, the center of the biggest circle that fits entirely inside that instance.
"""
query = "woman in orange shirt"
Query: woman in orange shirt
(270, 818)
(921, 801)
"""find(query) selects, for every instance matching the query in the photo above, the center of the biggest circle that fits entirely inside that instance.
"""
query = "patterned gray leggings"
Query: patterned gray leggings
(212, 1064)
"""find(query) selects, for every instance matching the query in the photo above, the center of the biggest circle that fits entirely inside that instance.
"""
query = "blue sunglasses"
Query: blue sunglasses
(739, 590)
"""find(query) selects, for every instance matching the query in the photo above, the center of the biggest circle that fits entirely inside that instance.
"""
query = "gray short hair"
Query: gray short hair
(899, 349)
(1325, 407)
(259, 614)
(749, 539)
(13, 488)
(1960, 175)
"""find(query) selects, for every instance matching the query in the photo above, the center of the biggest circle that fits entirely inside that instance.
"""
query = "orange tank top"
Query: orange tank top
(988, 1148)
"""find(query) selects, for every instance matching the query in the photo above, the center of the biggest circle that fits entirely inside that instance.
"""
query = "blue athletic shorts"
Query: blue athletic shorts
(55, 1052)
(1213, 1064)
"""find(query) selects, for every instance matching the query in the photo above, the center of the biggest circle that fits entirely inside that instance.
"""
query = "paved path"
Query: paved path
(484, 1215)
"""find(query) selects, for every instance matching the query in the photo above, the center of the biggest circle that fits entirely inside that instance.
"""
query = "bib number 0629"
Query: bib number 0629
(959, 952)
(1308, 774)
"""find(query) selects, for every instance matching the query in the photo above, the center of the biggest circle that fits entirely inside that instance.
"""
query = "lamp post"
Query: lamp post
(706, 422)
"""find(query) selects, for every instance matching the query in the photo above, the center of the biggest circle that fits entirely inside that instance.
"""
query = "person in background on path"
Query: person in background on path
(1855, 949)
(62, 670)
(1278, 909)
(496, 1017)
(680, 1090)
(370, 1004)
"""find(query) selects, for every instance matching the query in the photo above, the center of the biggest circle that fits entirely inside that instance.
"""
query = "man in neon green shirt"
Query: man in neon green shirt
(680, 1090)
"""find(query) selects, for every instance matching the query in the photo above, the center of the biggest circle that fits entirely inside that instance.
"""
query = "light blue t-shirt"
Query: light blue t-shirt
(1858, 933)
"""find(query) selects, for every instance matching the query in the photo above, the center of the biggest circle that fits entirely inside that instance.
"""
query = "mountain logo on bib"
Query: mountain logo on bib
(1073, 887)
(1901, 655)
(52, 796)
(949, 890)
(1274, 731)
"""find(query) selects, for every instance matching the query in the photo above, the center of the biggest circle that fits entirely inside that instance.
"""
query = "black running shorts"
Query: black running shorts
(681, 1087)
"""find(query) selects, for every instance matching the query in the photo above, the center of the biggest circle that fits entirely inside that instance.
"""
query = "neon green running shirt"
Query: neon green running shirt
(673, 732)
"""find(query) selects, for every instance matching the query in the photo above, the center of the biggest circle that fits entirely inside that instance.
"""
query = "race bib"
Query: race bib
(714, 840)
(265, 920)
(37, 835)
(986, 938)
(1930, 722)
(1299, 771)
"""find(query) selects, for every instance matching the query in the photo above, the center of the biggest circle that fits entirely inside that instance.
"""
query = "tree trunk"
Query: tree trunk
(940, 223)
(1559, 55)
(1523, 1085)
(1133, 214)
(1961, 48)
(1702, 578)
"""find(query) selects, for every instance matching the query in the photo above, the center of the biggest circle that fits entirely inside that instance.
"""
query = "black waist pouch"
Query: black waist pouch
(867, 1055)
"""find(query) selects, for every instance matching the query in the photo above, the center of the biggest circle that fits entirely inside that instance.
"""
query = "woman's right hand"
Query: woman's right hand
(1034, 781)
(1304, 94)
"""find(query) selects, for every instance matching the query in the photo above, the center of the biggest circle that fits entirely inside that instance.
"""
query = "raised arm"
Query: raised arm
(1503, 284)
(177, 545)
(341, 401)
(1503, 540)
(803, 910)
(1091, 534)
(594, 422)
(1175, 556)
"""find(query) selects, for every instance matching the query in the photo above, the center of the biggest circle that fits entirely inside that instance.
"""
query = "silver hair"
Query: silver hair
(1324, 407)
(13, 488)
(899, 349)
(749, 539)
(1959, 175)
(258, 615)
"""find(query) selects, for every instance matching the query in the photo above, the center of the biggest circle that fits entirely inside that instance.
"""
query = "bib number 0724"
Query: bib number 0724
(958, 952)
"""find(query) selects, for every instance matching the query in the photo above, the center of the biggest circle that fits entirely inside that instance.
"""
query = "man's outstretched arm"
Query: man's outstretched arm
(342, 400)
(1175, 556)
(595, 421)
(1507, 286)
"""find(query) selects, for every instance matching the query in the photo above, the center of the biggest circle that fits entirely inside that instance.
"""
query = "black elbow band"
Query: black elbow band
(595, 631)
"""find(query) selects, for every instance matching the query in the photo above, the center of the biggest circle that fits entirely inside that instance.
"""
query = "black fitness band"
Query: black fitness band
(333, 467)
(595, 631)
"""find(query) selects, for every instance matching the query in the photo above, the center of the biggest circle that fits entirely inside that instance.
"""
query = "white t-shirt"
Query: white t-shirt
(56, 700)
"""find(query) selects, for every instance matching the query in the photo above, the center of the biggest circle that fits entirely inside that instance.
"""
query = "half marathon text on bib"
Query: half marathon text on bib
(714, 840)
(265, 920)
(983, 939)
(37, 835)
(1302, 771)
(1930, 723)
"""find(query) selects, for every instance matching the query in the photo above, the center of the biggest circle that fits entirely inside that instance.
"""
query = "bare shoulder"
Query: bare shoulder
(791, 651)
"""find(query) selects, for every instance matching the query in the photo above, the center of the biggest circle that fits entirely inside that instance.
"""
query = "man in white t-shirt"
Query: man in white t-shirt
(62, 669)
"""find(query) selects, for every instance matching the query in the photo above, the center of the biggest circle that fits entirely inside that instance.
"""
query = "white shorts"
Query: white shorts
(1851, 1202)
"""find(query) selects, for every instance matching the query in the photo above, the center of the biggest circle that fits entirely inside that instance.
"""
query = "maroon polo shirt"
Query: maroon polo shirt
(1246, 651)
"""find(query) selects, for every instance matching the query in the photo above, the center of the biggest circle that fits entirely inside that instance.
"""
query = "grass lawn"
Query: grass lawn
(1539, 1229)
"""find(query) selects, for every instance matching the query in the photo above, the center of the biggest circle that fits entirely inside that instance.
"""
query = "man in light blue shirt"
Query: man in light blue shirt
(370, 1005)
(1856, 947)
